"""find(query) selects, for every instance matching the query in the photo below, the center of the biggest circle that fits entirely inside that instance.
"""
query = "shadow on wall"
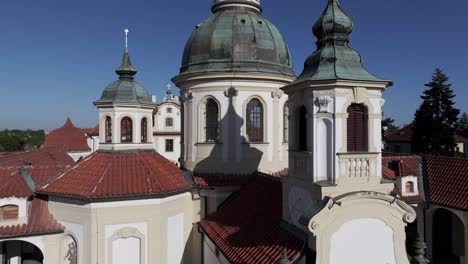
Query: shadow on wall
(22, 251)
(242, 159)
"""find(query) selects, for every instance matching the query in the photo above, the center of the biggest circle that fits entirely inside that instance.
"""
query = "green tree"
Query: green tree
(435, 122)
(388, 124)
(463, 123)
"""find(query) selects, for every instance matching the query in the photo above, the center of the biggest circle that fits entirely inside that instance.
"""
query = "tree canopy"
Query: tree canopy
(435, 122)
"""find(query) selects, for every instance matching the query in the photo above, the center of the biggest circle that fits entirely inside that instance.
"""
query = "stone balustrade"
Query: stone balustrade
(357, 167)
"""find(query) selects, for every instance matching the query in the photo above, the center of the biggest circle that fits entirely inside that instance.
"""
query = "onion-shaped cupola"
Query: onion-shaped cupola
(334, 59)
(125, 90)
(236, 38)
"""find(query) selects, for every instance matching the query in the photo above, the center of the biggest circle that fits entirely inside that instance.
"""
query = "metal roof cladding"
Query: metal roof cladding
(334, 59)
(237, 38)
(126, 89)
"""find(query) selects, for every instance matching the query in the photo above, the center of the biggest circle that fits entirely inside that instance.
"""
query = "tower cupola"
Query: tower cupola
(125, 110)
(333, 27)
(334, 59)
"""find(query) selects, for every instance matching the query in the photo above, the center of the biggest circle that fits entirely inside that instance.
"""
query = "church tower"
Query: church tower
(233, 67)
(125, 111)
(335, 189)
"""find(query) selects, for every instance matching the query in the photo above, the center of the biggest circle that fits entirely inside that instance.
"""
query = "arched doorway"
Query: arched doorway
(448, 244)
(20, 252)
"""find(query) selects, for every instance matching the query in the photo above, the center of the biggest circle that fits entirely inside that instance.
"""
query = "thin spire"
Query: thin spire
(126, 70)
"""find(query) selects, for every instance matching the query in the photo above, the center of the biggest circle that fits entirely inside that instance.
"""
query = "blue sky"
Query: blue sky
(57, 56)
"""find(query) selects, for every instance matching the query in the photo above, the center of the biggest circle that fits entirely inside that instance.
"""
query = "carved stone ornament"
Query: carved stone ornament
(322, 103)
(231, 92)
(276, 94)
(382, 102)
(398, 207)
(188, 95)
(72, 255)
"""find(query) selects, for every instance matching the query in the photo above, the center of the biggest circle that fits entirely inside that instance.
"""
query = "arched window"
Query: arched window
(126, 130)
(9, 212)
(144, 130)
(302, 128)
(169, 122)
(254, 121)
(108, 127)
(285, 122)
(357, 128)
(211, 122)
(409, 187)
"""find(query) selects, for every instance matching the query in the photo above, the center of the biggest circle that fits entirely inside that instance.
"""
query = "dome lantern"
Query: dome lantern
(251, 5)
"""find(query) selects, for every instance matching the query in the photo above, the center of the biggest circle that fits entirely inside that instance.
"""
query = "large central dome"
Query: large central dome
(236, 38)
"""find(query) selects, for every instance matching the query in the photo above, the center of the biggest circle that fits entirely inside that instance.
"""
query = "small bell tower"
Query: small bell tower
(335, 183)
(125, 111)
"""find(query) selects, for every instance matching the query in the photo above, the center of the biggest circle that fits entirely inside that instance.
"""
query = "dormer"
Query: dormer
(407, 185)
(13, 211)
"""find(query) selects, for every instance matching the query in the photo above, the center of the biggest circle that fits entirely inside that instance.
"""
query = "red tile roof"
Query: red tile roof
(403, 135)
(68, 136)
(40, 221)
(404, 166)
(247, 228)
(117, 174)
(41, 164)
(448, 181)
(13, 184)
(48, 156)
(406, 133)
(94, 131)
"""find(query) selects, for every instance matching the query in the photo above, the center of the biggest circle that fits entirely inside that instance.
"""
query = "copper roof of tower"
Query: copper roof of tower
(237, 38)
(125, 89)
(334, 59)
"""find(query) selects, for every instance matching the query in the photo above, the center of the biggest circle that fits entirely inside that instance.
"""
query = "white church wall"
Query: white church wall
(152, 221)
(364, 241)
(175, 238)
(76, 231)
(124, 244)
(234, 144)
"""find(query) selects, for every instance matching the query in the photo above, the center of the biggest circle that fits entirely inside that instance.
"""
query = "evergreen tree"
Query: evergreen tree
(435, 122)
(463, 124)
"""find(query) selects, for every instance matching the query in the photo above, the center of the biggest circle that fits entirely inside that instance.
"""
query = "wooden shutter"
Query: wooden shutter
(357, 128)
(9, 212)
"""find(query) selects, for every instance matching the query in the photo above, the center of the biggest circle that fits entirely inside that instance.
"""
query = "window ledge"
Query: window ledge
(255, 143)
(209, 143)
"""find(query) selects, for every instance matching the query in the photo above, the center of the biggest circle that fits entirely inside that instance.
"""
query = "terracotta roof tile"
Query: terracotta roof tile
(48, 156)
(247, 229)
(40, 221)
(114, 174)
(448, 181)
(41, 164)
(68, 136)
(94, 131)
(12, 184)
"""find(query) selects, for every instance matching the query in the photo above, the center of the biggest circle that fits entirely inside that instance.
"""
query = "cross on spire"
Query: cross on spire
(126, 37)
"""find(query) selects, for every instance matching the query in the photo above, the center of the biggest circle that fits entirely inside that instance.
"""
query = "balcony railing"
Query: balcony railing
(357, 167)
(300, 164)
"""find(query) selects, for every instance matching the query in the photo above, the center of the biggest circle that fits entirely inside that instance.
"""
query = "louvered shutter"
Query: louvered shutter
(357, 128)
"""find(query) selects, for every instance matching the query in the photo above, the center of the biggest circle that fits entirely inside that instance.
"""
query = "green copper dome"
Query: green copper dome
(126, 89)
(334, 59)
(236, 38)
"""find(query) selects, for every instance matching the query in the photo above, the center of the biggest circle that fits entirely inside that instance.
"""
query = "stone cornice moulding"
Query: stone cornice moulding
(334, 205)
